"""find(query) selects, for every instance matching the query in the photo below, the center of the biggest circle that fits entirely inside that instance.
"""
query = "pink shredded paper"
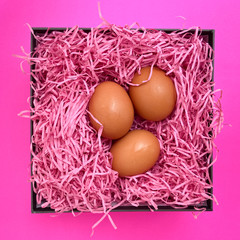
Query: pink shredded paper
(71, 164)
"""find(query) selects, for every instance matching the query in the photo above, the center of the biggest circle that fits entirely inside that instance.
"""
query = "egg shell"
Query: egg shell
(155, 99)
(135, 153)
(112, 107)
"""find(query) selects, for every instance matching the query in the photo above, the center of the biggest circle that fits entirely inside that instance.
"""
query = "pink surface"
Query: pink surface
(16, 219)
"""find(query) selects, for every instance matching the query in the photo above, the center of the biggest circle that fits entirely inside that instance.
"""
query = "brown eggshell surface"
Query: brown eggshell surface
(135, 153)
(112, 107)
(155, 99)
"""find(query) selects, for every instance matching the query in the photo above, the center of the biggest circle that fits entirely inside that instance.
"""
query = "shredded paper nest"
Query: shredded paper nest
(71, 163)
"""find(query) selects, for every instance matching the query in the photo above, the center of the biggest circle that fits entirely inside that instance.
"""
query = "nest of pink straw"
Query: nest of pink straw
(71, 162)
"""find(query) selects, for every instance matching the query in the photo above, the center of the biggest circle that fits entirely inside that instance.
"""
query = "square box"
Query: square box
(208, 36)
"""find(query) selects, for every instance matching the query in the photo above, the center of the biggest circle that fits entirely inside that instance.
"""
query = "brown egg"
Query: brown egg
(112, 107)
(155, 99)
(135, 153)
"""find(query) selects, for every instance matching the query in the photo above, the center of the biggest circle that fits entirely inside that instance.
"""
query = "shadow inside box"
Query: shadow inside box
(208, 35)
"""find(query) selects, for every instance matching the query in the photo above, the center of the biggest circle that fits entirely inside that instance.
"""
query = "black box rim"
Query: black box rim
(34, 209)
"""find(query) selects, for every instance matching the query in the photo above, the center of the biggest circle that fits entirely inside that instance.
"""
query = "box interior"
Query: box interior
(208, 36)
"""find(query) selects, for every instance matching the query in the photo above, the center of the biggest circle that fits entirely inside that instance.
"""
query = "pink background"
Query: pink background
(16, 220)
